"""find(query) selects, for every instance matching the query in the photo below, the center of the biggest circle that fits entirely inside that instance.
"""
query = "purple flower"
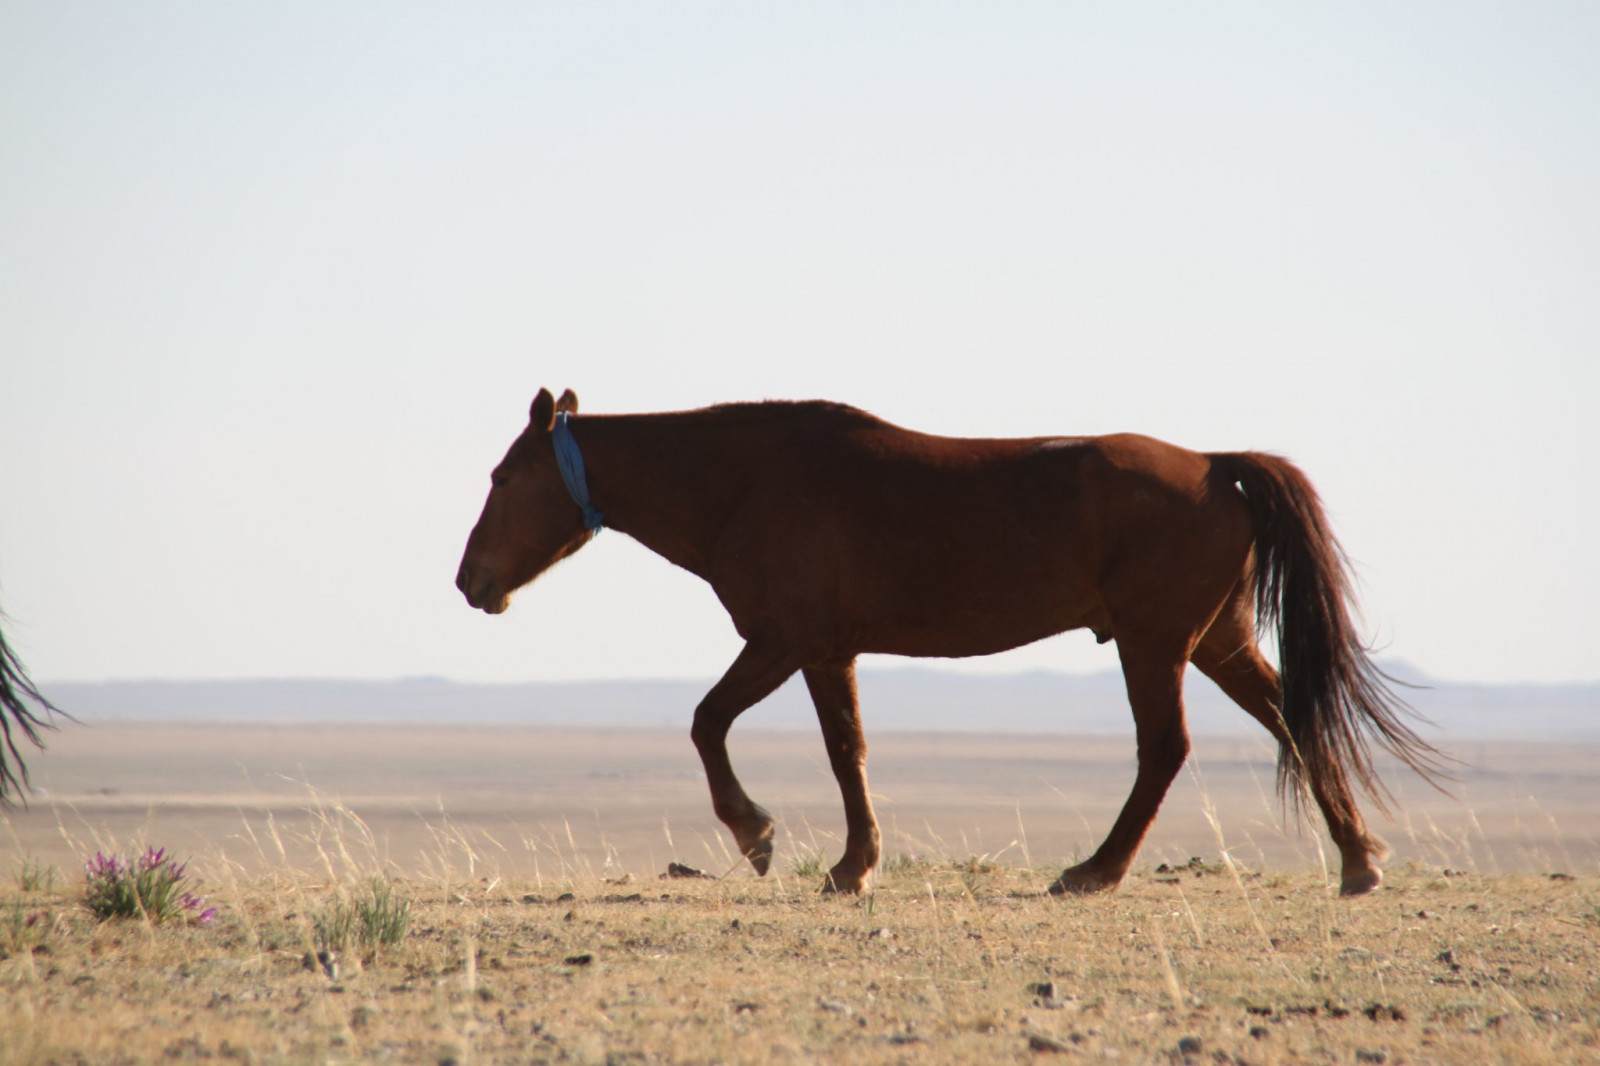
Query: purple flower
(103, 867)
(191, 903)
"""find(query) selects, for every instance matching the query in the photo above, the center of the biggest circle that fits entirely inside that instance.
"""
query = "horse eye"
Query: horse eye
(498, 480)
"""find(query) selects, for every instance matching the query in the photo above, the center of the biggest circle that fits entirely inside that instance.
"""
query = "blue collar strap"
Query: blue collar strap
(570, 462)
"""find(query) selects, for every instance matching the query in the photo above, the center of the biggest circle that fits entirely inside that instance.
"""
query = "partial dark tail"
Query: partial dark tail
(1334, 697)
(16, 693)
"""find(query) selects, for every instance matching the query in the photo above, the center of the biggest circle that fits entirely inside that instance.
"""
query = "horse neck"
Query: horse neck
(669, 481)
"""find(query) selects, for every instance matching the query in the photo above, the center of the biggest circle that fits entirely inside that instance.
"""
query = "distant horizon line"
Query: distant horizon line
(1402, 671)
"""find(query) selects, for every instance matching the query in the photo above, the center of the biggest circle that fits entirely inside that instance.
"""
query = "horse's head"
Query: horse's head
(529, 522)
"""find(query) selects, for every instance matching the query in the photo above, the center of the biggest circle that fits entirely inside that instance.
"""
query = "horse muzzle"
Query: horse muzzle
(481, 594)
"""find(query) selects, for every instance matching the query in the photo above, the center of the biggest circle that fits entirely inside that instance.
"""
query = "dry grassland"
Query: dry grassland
(946, 962)
(541, 930)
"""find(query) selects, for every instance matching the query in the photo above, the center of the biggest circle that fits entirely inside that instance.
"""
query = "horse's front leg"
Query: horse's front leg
(752, 678)
(833, 690)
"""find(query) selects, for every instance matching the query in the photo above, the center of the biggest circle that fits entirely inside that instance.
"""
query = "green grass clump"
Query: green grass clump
(904, 864)
(375, 917)
(36, 876)
(809, 864)
(22, 931)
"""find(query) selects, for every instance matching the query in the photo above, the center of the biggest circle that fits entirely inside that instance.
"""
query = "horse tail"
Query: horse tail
(16, 693)
(1333, 697)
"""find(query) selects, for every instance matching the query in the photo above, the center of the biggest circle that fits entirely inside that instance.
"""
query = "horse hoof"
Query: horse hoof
(1360, 882)
(843, 883)
(759, 850)
(1080, 882)
(760, 856)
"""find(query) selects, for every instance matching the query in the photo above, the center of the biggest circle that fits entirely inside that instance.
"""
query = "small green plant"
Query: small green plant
(21, 932)
(382, 915)
(333, 926)
(35, 876)
(378, 916)
(975, 870)
(809, 865)
(904, 863)
(150, 887)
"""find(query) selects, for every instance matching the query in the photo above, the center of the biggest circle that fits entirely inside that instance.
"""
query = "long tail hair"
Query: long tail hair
(1333, 696)
(16, 695)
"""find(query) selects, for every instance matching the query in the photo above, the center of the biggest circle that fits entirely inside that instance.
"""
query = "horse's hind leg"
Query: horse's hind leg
(1228, 655)
(753, 676)
(833, 690)
(1153, 672)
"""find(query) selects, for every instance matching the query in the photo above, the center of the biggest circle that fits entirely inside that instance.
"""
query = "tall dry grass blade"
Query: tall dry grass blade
(1194, 922)
(277, 839)
(1555, 834)
(1209, 810)
(1488, 848)
(1168, 971)
(1022, 839)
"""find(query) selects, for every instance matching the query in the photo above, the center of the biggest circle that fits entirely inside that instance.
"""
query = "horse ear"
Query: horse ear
(568, 402)
(542, 415)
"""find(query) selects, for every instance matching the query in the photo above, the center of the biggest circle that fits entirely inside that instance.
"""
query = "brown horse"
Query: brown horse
(827, 532)
(16, 693)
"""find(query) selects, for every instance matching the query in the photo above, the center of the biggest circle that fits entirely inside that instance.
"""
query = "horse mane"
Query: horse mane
(750, 415)
(779, 410)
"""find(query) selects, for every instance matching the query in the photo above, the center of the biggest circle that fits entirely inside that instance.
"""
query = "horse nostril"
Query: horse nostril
(461, 579)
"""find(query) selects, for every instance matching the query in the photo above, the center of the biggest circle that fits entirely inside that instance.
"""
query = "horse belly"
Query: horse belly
(975, 603)
(975, 637)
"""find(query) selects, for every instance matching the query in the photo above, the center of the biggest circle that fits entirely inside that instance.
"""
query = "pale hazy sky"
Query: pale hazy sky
(278, 281)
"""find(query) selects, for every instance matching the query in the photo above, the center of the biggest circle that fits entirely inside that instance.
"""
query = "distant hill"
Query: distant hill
(907, 699)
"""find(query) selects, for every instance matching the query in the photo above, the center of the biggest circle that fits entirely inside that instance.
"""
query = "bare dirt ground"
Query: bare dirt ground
(538, 803)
